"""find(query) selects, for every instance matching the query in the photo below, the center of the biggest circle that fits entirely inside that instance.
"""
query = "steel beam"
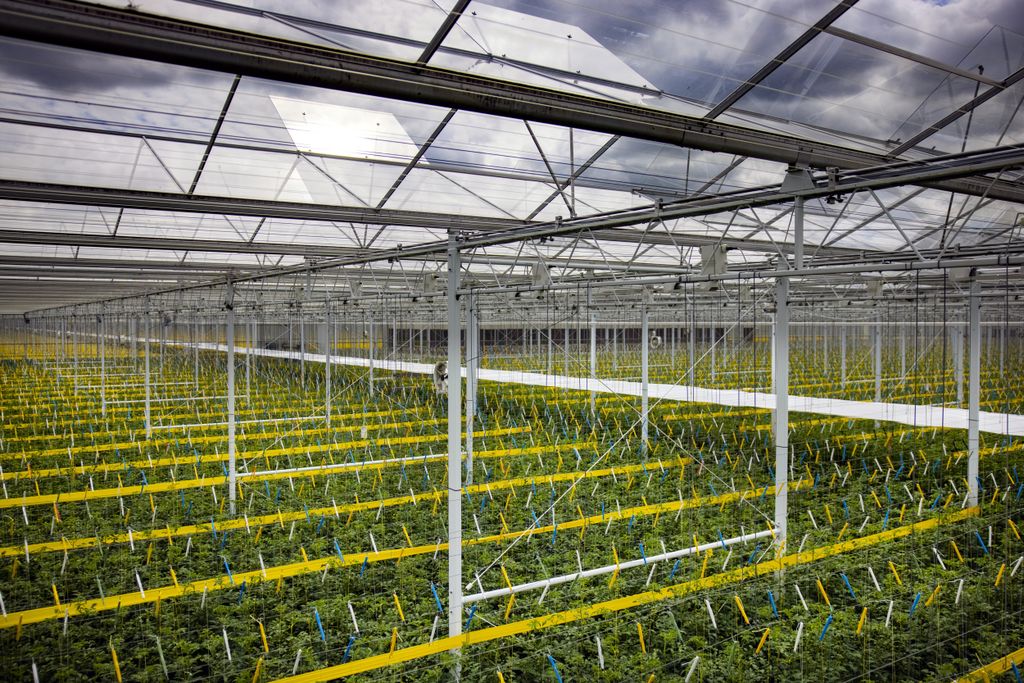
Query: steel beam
(787, 52)
(136, 34)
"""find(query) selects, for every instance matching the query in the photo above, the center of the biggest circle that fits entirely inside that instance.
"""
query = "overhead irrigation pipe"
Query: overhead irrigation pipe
(995, 261)
(317, 469)
(611, 568)
(902, 173)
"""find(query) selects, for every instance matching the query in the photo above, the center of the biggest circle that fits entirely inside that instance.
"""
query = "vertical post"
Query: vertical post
(842, 355)
(615, 348)
(135, 343)
(248, 358)
(974, 392)
(958, 361)
(644, 345)
(878, 358)
(714, 344)
(692, 349)
(565, 345)
(145, 345)
(593, 363)
(825, 334)
(798, 233)
(232, 467)
(369, 336)
(103, 366)
(1002, 347)
(195, 356)
(454, 447)
(903, 352)
(472, 356)
(551, 351)
(780, 358)
(327, 363)
(302, 352)
(674, 331)
(74, 352)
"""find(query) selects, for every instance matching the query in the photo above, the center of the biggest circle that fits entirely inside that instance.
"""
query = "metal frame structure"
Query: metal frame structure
(839, 216)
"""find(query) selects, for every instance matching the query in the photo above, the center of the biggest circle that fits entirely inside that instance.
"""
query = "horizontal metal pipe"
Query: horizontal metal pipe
(608, 569)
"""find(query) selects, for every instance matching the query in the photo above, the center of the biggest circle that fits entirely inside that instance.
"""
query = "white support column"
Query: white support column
(101, 326)
(974, 392)
(798, 233)
(615, 348)
(195, 355)
(145, 344)
(692, 350)
(878, 358)
(780, 429)
(454, 448)
(593, 364)
(370, 354)
(134, 341)
(328, 343)
(551, 352)
(1002, 348)
(565, 346)
(248, 359)
(714, 346)
(825, 333)
(302, 352)
(74, 352)
(903, 351)
(842, 355)
(674, 330)
(472, 361)
(958, 359)
(229, 329)
(644, 345)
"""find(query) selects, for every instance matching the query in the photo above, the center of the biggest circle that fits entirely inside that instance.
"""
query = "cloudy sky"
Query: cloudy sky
(684, 55)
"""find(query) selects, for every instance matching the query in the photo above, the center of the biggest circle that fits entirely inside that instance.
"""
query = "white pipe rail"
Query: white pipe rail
(608, 569)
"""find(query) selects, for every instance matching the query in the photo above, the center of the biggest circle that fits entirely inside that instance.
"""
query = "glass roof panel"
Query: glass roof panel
(36, 154)
(445, 193)
(695, 51)
(961, 34)
(384, 27)
(837, 84)
(65, 87)
(996, 122)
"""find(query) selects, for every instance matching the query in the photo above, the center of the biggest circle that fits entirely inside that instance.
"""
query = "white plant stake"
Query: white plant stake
(600, 652)
(352, 613)
(874, 580)
(693, 668)
(799, 634)
(227, 645)
(711, 613)
(800, 595)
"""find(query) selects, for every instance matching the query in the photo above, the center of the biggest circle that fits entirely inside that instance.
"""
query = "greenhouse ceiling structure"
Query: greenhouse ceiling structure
(749, 268)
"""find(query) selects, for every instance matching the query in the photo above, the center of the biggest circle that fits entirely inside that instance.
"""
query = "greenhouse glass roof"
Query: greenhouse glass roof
(355, 130)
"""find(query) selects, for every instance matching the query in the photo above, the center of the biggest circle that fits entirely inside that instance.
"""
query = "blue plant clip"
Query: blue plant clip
(348, 648)
(554, 667)
(319, 624)
(824, 630)
(848, 586)
(437, 600)
(913, 605)
(981, 542)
